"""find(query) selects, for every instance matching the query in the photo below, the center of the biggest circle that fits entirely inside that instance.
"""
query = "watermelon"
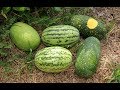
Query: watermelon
(88, 57)
(60, 35)
(24, 36)
(89, 26)
(53, 59)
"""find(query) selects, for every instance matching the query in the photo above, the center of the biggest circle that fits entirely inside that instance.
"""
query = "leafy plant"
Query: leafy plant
(115, 77)
(58, 9)
(6, 66)
(3, 47)
(29, 61)
(110, 25)
(5, 11)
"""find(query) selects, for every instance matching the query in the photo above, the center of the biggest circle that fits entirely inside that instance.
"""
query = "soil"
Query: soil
(110, 53)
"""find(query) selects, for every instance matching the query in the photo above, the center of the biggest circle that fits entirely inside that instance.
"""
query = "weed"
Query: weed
(6, 66)
(115, 77)
(3, 49)
(110, 25)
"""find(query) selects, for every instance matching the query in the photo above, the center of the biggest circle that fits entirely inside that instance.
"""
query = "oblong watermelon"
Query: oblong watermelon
(88, 57)
(24, 36)
(60, 35)
(53, 59)
(89, 26)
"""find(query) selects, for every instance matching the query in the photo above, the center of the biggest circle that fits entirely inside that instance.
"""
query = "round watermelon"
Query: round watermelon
(53, 59)
(24, 36)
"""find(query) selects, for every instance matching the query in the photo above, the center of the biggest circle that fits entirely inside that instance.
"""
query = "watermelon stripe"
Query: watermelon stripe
(58, 53)
(61, 44)
(75, 38)
(53, 34)
(62, 57)
(70, 33)
(61, 33)
(59, 30)
(51, 63)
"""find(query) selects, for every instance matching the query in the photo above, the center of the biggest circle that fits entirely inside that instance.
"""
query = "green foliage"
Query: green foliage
(3, 49)
(5, 43)
(29, 61)
(53, 15)
(110, 25)
(4, 31)
(115, 76)
(4, 11)
(58, 9)
(6, 66)
(21, 9)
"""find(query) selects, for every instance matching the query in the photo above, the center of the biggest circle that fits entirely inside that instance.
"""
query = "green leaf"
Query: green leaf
(3, 53)
(5, 10)
(8, 46)
(4, 15)
(58, 9)
(4, 64)
(110, 26)
(2, 45)
(5, 45)
(115, 76)
(41, 20)
(53, 21)
(8, 69)
(21, 9)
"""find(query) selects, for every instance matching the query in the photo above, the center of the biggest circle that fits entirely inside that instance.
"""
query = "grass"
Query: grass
(13, 60)
(115, 75)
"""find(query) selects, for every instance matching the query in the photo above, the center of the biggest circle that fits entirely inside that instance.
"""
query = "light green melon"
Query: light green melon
(24, 36)
(53, 59)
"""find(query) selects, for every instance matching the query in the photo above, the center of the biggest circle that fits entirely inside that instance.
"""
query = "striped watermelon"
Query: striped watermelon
(60, 35)
(53, 59)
